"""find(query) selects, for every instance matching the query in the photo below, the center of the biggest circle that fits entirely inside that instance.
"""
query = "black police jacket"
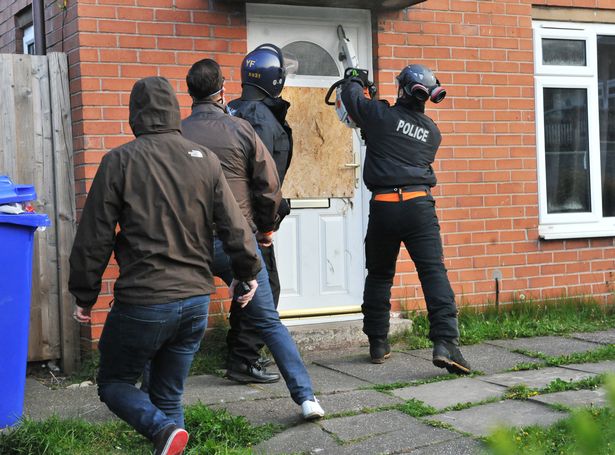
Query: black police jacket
(271, 128)
(401, 142)
(268, 118)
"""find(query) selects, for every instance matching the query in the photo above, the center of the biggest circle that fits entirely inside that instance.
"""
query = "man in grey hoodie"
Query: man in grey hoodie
(165, 193)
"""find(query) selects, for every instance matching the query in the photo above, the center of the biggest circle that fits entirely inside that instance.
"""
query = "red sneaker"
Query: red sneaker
(171, 441)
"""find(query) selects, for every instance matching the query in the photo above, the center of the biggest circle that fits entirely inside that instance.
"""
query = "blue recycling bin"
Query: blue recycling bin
(16, 239)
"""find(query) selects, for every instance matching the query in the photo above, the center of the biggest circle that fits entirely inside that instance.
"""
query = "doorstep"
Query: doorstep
(311, 337)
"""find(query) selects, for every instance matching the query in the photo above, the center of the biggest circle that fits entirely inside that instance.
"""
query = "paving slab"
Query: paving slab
(356, 400)
(484, 357)
(601, 337)
(576, 398)
(400, 367)
(550, 345)
(285, 412)
(608, 366)
(536, 379)
(460, 446)
(384, 432)
(42, 402)
(324, 380)
(481, 420)
(307, 438)
(282, 411)
(209, 389)
(443, 394)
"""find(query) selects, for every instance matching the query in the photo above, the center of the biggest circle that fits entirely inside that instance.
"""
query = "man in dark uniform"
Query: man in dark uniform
(401, 146)
(262, 79)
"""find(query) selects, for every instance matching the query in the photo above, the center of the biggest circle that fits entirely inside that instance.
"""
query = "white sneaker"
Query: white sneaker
(312, 410)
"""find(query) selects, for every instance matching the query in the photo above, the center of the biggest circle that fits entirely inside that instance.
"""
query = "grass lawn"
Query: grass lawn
(211, 432)
(518, 320)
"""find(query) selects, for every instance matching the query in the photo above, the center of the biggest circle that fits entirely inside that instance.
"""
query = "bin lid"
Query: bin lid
(26, 219)
(9, 192)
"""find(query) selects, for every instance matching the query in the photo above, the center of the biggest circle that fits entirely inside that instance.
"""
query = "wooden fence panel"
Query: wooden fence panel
(35, 149)
(65, 219)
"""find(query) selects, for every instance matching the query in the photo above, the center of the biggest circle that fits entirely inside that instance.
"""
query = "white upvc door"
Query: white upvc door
(319, 247)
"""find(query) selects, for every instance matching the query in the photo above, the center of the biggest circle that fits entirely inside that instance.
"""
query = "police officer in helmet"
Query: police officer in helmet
(401, 146)
(263, 74)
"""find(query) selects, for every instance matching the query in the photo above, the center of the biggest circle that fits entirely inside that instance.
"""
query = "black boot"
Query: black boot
(248, 374)
(379, 349)
(264, 362)
(446, 354)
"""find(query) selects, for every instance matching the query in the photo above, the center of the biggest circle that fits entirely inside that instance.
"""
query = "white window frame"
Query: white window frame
(28, 38)
(578, 224)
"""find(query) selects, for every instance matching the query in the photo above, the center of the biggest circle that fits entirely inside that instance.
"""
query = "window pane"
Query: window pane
(563, 52)
(606, 101)
(309, 59)
(567, 150)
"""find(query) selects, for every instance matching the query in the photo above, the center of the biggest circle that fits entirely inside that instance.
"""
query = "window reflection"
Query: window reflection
(563, 52)
(566, 150)
(606, 102)
(309, 59)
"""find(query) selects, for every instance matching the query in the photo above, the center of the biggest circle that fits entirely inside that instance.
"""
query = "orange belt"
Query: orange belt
(398, 197)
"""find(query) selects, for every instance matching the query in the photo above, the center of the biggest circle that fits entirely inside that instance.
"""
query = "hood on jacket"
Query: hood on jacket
(153, 107)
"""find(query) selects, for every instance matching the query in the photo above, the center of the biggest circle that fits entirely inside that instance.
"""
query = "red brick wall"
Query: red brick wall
(482, 52)
(120, 42)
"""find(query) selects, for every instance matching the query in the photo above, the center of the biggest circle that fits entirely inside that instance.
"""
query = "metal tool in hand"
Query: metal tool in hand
(348, 56)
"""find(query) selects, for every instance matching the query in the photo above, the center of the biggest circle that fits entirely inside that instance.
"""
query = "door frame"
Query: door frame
(266, 13)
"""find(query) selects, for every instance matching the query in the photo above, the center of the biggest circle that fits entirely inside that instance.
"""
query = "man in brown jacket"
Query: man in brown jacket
(253, 177)
(165, 193)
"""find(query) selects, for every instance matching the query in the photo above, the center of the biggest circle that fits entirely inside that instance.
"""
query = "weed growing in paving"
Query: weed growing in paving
(417, 408)
(211, 432)
(519, 319)
(523, 392)
(401, 385)
(585, 432)
(598, 355)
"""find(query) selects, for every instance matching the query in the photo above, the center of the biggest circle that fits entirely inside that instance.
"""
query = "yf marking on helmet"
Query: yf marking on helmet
(264, 68)
(413, 131)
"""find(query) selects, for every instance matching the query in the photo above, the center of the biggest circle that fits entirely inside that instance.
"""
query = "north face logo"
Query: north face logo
(195, 154)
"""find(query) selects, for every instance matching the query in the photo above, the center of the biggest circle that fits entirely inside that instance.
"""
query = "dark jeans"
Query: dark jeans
(243, 341)
(413, 222)
(261, 316)
(167, 335)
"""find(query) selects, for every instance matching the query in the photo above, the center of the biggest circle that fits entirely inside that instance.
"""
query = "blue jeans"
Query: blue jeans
(167, 335)
(261, 316)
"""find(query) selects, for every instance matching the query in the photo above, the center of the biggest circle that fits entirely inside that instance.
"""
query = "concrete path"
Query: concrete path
(365, 403)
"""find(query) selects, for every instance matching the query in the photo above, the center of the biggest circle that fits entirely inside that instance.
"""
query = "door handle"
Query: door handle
(357, 171)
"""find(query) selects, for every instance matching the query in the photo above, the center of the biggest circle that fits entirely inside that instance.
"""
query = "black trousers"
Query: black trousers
(415, 224)
(243, 342)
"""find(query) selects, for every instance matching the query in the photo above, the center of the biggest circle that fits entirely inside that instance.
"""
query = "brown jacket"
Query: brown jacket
(248, 166)
(165, 192)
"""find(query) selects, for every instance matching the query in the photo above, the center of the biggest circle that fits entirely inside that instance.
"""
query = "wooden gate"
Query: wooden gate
(36, 148)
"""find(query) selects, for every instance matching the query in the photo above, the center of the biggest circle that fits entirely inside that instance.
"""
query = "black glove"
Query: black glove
(371, 88)
(357, 73)
(283, 210)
